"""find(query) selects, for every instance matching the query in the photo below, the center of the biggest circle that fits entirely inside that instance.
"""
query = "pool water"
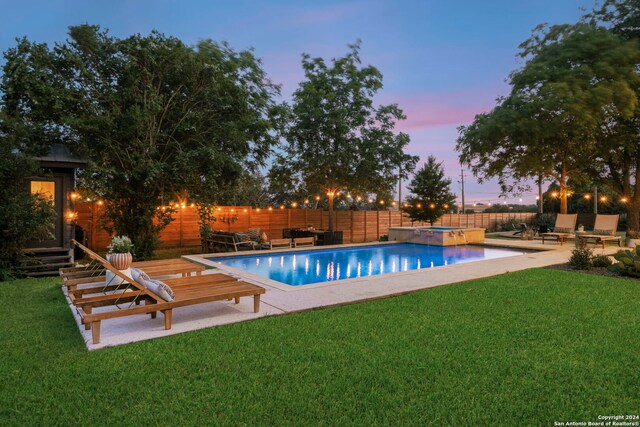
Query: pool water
(327, 265)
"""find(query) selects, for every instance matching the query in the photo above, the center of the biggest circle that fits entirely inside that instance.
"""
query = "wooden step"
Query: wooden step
(48, 266)
(45, 250)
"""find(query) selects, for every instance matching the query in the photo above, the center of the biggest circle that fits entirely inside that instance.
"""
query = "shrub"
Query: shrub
(510, 224)
(581, 257)
(601, 261)
(543, 221)
(628, 262)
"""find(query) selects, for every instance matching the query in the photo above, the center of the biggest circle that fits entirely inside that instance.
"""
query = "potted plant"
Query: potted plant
(633, 238)
(120, 252)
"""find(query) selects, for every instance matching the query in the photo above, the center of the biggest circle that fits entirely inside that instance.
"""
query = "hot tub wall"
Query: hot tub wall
(427, 236)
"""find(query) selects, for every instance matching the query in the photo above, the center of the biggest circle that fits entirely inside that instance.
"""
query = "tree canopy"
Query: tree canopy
(576, 77)
(158, 120)
(430, 193)
(337, 140)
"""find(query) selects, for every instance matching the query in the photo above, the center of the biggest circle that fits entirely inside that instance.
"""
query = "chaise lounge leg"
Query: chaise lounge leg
(167, 319)
(87, 325)
(237, 300)
(95, 331)
(256, 303)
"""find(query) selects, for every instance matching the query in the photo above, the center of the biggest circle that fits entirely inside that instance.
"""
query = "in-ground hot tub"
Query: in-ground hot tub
(437, 236)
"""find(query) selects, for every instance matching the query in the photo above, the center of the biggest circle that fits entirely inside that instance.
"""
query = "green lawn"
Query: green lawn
(526, 348)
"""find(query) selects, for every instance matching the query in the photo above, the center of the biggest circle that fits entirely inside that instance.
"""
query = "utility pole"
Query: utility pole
(595, 199)
(400, 188)
(462, 182)
(540, 209)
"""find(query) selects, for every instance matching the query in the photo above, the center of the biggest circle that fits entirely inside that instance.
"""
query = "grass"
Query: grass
(526, 348)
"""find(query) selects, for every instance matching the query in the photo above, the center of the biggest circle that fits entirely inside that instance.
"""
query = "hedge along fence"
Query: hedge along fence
(357, 226)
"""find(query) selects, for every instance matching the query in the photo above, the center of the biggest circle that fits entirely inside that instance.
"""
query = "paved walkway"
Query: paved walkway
(281, 299)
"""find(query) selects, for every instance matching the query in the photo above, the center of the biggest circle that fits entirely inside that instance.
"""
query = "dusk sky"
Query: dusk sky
(442, 61)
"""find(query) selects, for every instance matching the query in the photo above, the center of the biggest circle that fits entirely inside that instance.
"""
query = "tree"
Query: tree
(159, 121)
(337, 141)
(430, 196)
(23, 216)
(575, 78)
(618, 166)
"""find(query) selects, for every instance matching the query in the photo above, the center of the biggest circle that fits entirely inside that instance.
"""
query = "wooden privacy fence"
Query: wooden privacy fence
(357, 226)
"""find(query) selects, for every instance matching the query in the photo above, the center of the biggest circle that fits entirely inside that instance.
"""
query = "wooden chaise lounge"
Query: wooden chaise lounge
(95, 271)
(604, 230)
(187, 290)
(564, 228)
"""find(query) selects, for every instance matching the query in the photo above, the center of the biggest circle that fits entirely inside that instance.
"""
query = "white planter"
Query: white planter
(632, 243)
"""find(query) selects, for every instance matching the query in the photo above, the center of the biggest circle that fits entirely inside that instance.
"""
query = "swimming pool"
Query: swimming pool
(315, 266)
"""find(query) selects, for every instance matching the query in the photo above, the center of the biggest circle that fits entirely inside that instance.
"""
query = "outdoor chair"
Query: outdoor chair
(187, 291)
(604, 230)
(95, 272)
(564, 228)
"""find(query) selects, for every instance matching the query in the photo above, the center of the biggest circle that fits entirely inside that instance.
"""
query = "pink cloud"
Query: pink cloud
(432, 109)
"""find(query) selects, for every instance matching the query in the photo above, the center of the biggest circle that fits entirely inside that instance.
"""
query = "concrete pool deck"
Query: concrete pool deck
(277, 301)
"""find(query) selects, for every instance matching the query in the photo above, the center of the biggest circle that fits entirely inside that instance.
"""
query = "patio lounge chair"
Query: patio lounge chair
(187, 290)
(564, 228)
(95, 272)
(604, 230)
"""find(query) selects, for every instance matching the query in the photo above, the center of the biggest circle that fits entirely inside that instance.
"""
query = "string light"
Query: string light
(587, 196)
(294, 205)
(306, 201)
(624, 200)
(270, 208)
(603, 199)
(432, 206)
(419, 205)
(73, 195)
(446, 206)
(281, 206)
(100, 203)
(358, 198)
(317, 197)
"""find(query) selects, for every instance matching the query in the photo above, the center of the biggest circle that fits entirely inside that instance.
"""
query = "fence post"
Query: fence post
(180, 225)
